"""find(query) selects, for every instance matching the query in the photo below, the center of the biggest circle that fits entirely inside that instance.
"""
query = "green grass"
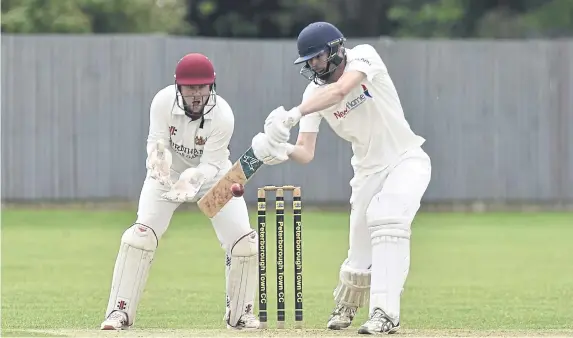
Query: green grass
(470, 272)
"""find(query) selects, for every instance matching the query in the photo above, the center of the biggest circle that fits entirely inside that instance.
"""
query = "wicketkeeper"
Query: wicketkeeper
(187, 152)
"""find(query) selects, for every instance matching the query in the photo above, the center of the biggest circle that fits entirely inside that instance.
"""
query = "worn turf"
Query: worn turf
(471, 275)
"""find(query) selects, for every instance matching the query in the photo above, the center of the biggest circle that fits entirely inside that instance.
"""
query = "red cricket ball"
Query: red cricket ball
(237, 189)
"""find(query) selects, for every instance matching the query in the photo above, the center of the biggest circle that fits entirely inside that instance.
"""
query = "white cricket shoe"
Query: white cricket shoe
(248, 320)
(117, 320)
(379, 323)
(341, 317)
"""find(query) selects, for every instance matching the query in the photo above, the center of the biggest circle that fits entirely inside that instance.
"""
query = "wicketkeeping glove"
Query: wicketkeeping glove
(188, 185)
(159, 163)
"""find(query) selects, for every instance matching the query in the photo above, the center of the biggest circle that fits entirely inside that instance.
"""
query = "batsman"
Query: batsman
(351, 89)
(187, 152)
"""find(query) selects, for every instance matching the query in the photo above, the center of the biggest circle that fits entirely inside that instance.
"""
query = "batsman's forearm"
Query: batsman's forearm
(321, 100)
(300, 154)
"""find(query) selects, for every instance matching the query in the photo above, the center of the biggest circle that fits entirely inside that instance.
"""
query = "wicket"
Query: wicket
(280, 257)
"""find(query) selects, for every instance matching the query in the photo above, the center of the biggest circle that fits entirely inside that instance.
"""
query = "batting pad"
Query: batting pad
(353, 287)
(138, 245)
(242, 278)
(391, 245)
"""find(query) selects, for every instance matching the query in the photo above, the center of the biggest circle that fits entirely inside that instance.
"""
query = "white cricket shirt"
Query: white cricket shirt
(370, 116)
(193, 144)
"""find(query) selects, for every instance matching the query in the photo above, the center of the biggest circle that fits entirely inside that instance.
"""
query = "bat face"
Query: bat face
(241, 171)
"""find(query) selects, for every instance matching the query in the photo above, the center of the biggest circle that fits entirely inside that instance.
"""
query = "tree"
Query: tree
(95, 16)
(551, 18)
(419, 18)
(286, 18)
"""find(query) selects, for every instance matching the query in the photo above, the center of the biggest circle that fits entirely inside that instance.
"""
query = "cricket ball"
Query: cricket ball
(237, 189)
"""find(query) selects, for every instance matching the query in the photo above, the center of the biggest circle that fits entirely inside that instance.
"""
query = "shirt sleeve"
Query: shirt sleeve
(216, 149)
(366, 59)
(158, 120)
(309, 123)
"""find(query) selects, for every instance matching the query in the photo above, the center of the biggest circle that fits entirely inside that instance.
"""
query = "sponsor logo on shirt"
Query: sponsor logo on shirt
(352, 104)
(183, 151)
(366, 61)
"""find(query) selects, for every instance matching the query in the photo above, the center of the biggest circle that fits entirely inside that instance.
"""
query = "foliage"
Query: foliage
(285, 18)
(95, 16)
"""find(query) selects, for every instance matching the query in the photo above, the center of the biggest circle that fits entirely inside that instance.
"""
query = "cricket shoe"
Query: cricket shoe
(379, 323)
(248, 320)
(341, 317)
(117, 320)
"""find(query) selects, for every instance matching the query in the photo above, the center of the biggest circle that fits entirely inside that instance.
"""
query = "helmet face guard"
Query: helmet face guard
(195, 85)
(198, 104)
(333, 60)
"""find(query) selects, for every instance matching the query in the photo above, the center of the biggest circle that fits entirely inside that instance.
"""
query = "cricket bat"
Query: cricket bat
(219, 194)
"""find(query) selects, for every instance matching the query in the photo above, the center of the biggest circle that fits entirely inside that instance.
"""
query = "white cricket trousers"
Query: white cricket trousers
(396, 191)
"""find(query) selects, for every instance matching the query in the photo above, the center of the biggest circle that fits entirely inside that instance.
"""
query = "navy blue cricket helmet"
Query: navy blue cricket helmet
(315, 39)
